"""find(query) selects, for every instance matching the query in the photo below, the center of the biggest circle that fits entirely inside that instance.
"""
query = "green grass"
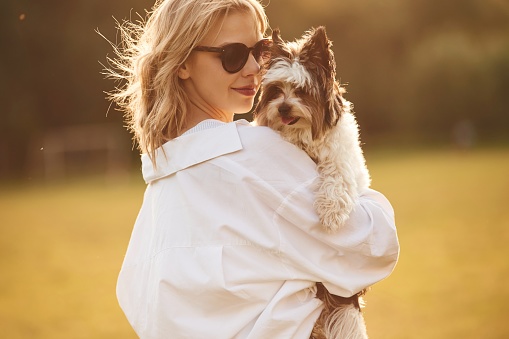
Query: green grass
(61, 246)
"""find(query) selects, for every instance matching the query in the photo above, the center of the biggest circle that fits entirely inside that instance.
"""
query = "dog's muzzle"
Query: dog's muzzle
(286, 118)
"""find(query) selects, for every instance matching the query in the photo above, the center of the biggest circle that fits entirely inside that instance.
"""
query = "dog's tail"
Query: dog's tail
(345, 322)
(341, 317)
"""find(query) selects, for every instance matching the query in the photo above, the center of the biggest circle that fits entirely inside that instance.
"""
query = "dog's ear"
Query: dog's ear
(317, 52)
(317, 55)
(279, 48)
(276, 37)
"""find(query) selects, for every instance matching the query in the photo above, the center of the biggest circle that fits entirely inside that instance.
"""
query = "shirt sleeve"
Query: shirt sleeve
(363, 252)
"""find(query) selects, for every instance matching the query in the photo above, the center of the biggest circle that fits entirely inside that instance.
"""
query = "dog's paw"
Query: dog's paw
(333, 221)
(334, 202)
(333, 211)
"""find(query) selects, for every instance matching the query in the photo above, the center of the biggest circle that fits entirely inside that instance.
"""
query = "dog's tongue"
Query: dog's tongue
(288, 120)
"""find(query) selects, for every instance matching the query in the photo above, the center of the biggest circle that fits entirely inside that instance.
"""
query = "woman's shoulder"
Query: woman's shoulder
(262, 144)
(264, 138)
(250, 129)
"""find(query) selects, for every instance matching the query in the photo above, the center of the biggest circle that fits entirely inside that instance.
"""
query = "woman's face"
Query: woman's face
(209, 87)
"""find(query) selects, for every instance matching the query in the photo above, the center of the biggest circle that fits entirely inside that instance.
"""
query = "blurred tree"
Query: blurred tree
(412, 68)
(51, 75)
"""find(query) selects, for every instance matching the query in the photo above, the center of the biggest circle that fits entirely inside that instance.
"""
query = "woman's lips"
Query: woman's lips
(248, 91)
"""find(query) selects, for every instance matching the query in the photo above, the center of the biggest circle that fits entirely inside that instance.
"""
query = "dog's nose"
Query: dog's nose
(284, 109)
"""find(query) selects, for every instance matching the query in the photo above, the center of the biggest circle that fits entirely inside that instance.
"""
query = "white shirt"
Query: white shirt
(227, 243)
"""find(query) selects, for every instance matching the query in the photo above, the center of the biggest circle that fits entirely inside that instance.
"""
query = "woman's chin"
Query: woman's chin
(243, 109)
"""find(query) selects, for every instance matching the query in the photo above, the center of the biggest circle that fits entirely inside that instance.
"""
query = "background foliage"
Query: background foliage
(414, 69)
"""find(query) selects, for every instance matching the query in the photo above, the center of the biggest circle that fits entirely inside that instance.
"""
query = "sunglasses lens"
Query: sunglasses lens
(235, 57)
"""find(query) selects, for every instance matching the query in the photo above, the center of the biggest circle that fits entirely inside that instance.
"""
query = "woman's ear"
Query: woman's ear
(183, 71)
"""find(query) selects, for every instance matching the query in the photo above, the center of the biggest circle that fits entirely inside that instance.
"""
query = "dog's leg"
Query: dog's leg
(343, 174)
(334, 200)
(340, 318)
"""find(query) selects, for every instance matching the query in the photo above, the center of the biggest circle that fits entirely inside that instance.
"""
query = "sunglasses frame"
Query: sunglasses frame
(222, 50)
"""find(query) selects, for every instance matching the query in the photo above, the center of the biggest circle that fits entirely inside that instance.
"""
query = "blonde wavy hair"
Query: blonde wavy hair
(149, 56)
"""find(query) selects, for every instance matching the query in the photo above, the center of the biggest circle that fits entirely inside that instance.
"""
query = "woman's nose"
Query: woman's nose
(251, 67)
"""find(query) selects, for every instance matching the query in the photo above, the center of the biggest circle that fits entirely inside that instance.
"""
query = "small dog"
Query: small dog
(302, 100)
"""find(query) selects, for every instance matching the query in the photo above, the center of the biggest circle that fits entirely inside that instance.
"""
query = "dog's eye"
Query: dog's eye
(274, 91)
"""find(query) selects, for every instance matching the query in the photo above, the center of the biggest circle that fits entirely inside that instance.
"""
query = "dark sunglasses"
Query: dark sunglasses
(234, 56)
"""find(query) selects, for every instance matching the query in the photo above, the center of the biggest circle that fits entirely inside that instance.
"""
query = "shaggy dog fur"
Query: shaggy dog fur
(302, 100)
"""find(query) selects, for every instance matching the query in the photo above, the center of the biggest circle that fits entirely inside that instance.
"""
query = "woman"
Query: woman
(227, 244)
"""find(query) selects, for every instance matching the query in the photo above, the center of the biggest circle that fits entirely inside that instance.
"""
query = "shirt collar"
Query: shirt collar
(192, 148)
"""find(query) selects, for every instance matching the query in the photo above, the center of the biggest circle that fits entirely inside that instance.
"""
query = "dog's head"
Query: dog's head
(300, 93)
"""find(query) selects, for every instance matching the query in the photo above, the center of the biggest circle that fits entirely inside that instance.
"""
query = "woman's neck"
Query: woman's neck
(196, 114)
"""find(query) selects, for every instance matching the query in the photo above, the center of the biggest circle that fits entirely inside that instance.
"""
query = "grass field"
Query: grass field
(61, 246)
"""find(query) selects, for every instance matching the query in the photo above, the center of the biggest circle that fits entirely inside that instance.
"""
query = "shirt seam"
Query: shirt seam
(277, 213)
